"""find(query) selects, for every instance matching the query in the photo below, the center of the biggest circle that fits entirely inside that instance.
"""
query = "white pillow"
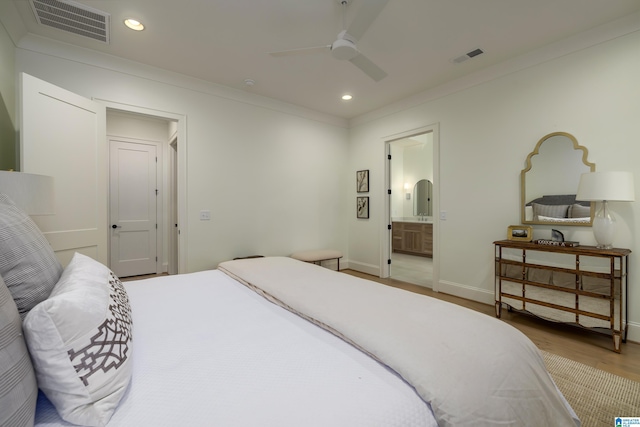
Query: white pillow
(552, 219)
(80, 342)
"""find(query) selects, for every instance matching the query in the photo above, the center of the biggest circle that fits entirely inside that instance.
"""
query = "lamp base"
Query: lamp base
(604, 246)
(604, 227)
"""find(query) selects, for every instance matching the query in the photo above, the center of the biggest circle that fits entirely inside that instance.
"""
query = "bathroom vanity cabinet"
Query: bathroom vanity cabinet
(414, 238)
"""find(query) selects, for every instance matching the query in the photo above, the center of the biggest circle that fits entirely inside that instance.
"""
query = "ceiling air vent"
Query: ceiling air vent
(73, 17)
(467, 55)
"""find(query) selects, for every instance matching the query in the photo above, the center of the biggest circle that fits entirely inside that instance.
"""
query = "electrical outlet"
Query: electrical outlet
(205, 215)
(443, 215)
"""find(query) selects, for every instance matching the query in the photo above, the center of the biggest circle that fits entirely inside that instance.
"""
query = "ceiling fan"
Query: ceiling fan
(344, 48)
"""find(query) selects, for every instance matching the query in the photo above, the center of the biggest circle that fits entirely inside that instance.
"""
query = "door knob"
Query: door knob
(115, 226)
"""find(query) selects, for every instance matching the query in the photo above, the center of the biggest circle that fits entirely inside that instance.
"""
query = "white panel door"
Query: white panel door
(133, 208)
(63, 135)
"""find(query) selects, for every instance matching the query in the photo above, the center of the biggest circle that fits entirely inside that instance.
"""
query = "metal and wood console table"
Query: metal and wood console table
(581, 285)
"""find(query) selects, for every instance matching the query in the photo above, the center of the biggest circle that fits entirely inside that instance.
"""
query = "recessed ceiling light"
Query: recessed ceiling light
(347, 97)
(134, 24)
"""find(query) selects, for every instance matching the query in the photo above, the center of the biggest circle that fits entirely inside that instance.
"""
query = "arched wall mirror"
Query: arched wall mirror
(549, 182)
(423, 198)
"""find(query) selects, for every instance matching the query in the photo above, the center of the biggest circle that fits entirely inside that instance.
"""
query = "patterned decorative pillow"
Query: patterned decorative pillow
(554, 211)
(18, 388)
(27, 262)
(80, 342)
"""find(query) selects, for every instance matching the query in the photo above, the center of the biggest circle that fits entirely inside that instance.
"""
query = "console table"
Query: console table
(582, 285)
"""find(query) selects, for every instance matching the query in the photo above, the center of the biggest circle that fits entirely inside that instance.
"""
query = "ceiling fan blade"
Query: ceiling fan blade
(368, 67)
(365, 17)
(300, 51)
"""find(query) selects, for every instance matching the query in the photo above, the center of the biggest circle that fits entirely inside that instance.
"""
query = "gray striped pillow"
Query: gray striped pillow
(554, 211)
(18, 389)
(27, 262)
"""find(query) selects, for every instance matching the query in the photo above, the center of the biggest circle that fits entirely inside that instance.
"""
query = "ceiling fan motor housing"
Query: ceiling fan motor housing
(344, 47)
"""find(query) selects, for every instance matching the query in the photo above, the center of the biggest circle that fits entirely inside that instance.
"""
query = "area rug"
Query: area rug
(596, 396)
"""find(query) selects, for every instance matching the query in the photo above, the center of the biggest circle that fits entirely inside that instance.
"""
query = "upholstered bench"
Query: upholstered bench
(318, 256)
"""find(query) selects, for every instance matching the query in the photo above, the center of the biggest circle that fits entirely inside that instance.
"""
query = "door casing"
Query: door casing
(385, 233)
(181, 172)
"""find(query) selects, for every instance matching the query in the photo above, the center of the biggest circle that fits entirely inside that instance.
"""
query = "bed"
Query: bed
(265, 341)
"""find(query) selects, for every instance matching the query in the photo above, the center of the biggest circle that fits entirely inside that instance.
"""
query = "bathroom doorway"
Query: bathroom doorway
(412, 201)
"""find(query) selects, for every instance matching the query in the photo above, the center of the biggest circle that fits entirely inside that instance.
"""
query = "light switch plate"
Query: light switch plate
(205, 215)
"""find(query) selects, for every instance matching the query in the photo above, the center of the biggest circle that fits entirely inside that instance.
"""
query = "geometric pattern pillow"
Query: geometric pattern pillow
(80, 342)
(18, 388)
(27, 262)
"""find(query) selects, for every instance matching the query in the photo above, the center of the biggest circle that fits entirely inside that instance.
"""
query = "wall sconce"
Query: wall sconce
(604, 187)
(30, 192)
(406, 190)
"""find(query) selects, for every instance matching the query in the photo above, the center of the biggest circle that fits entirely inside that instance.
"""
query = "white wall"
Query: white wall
(486, 132)
(270, 174)
(8, 120)
(8, 74)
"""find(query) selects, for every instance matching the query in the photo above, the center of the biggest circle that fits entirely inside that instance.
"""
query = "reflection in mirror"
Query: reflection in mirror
(423, 198)
(549, 182)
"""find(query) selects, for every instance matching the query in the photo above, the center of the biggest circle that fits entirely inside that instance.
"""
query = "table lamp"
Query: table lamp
(604, 187)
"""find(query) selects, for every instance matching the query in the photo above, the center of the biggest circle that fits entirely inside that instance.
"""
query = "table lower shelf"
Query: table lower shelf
(619, 336)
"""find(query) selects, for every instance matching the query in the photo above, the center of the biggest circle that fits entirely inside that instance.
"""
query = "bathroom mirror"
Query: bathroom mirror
(549, 182)
(423, 198)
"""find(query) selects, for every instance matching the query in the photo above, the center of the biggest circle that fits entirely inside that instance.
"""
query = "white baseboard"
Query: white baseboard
(467, 292)
(633, 332)
(374, 270)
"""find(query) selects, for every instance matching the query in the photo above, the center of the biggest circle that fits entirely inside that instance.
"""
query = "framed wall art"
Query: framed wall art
(362, 181)
(363, 207)
(522, 233)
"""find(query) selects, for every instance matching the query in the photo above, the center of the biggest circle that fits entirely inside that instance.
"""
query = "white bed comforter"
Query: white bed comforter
(209, 352)
(471, 368)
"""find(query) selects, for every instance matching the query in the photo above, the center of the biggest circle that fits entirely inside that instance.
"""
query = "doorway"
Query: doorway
(411, 243)
(144, 193)
(135, 202)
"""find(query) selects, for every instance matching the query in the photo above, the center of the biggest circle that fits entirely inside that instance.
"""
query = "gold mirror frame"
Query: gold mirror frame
(523, 202)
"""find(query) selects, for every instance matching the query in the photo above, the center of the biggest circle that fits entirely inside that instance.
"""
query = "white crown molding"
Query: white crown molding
(601, 34)
(64, 51)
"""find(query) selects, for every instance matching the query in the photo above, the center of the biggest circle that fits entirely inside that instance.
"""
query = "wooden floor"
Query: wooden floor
(574, 343)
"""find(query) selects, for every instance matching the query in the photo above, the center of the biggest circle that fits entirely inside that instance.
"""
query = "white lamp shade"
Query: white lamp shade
(612, 186)
(30, 192)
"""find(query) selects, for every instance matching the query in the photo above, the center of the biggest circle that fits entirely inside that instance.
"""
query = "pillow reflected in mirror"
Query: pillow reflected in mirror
(553, 211)
(579, 211)
(585, 220)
